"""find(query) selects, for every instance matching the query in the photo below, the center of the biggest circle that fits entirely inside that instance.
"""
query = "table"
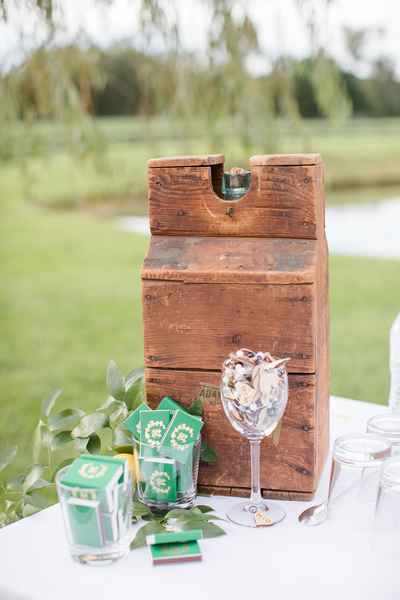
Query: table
(286, 561)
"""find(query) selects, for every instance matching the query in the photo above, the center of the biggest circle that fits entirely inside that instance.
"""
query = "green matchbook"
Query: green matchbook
(96, 478)
(133, 421)
(172, 537)
(160, 477)
(85, 522)
(153, 426)
(175, 553)
(181, 435)
(168, 404)
(122, 461)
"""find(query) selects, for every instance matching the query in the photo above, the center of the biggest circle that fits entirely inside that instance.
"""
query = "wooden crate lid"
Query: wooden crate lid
(230, 260)
(187, 161)
(285, 159)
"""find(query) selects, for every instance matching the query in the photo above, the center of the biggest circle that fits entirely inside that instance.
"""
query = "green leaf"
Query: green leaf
(123, 449)
(60, 439)
(29, 510)
(207, 453)
(136, 394)
(14, 482)
(36, 453)
(80, 444)
(148, 529)
(209, 530)
(198, 517)
(8, 456)
(37, 434)
(62, 464)
(196, 408)
(94, 444)
(115, 381)
(120, 438)
(204, 509)
(139, 508)
(176, 512)
(119, 408)
(90, 424)
(106, 404)
(31, 475)
(36, 499)
(133, 376)
(49, 402)
(64, 418)
(3, 517)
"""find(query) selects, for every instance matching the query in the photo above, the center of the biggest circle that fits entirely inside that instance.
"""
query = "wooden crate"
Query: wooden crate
(214, 283)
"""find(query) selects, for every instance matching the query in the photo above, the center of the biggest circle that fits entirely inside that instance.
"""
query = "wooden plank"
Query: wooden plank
(230, 260)
(287, 464)
(286, 159)
(196, 326)
(209, 490)
(279, 203)
(321, 320)
(186, 161)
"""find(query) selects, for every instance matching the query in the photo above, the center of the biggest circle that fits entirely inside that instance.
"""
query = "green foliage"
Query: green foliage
(20, 497)
(19, 494)
(184, 520)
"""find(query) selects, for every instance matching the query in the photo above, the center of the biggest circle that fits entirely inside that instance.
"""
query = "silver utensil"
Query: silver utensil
(314, 515)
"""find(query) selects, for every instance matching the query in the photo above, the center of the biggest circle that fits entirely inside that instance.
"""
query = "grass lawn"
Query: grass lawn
(70, 296)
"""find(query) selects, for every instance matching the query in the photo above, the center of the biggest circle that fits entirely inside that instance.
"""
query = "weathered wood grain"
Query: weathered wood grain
(288, 464)
(286, 159)
(186, 161)
(230, 260)
(192, 326)
(321, 320)
(212, 284)
(279, 203)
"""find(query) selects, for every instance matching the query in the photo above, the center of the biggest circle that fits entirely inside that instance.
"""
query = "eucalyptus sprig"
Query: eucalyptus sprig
(183, 520)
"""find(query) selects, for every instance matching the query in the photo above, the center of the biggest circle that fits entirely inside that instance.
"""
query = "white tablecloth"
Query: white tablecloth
(287, 561)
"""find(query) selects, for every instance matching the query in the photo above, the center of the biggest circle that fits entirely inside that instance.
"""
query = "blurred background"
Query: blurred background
(90, 90)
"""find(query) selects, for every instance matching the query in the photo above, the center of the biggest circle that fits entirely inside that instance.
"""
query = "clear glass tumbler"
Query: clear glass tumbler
(387, 425)
(352, 489)
(166, 480)
(386, 527)
(108, 533)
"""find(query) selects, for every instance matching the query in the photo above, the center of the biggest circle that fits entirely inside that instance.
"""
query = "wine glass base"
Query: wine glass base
(243, 513)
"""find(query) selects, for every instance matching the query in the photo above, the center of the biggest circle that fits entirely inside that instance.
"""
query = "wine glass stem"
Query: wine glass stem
(255, 496)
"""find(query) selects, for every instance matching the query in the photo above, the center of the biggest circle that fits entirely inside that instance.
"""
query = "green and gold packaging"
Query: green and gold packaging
(175, 553)
(85, 523)
(153, 426)
(160, 477)
(94, 480)
(180, 436)
(168, 404)
(133, 421)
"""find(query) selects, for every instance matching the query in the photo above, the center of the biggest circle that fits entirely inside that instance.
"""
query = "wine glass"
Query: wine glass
(254, 393)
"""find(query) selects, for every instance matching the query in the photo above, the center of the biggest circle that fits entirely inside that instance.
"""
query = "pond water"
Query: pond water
(370, 229)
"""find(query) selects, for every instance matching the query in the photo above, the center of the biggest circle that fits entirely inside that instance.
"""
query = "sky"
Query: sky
(281, 27)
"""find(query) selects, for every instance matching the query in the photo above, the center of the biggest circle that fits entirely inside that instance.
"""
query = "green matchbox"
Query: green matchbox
(85, 523)
(162, 554)
(181, 434)
(133, 421)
